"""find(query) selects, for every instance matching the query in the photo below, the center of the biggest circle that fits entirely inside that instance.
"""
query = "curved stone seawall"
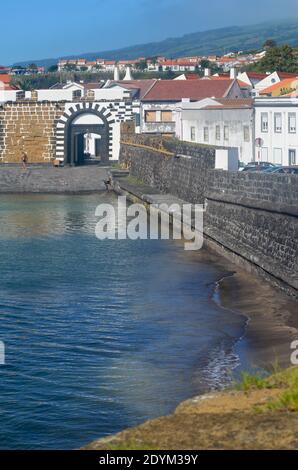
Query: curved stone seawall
(250, 217)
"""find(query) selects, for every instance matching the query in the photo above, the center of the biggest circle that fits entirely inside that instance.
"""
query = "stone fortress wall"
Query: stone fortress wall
(252, 218)
(36, 127)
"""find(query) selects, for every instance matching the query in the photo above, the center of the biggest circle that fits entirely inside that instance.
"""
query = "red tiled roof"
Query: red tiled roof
(257, 75)
(243, 84)
(192, 76)
(232, 103)
(284, 75)
(279, 85)
(176, 90)
(142, 85)
(5, 78)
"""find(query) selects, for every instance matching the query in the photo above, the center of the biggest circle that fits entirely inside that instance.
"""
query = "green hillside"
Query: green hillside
(217, 41)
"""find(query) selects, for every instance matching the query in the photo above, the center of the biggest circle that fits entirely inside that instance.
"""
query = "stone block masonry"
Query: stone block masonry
(251, 218)
(171, 166)
(41, 128)
(29, 127)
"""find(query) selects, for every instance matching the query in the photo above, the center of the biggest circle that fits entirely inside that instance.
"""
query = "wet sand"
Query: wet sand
(272, 319)
(272, 316)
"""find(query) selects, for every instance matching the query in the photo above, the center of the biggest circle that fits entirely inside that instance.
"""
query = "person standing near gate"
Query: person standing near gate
(24, 160)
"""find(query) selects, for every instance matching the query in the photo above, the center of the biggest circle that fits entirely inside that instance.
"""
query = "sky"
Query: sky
(35, 29)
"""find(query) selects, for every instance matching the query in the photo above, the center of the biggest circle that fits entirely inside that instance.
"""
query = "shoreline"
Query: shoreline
(271, 323)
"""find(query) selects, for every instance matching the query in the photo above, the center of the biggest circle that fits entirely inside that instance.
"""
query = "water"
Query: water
(99, 336)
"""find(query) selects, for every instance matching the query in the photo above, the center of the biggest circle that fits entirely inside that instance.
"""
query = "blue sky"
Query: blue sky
(36, 29)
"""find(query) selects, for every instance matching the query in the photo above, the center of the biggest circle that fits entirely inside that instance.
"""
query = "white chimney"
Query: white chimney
(128, 75)
(116, 74)
(207, 73)
(233, 73)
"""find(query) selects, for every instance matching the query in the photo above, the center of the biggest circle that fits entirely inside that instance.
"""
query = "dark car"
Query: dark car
(287, 170)
(259, 166)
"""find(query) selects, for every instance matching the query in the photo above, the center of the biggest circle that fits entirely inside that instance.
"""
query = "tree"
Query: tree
(205, 64)
(53, 68)
(169, 75)
(70, 67)
(269, 44)
(142, 65)
(32, 67)
(280, 58)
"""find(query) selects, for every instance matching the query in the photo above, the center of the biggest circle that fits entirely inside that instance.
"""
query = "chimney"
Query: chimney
(207, 73)
(116, 74)
(233, 73)
(128, 75)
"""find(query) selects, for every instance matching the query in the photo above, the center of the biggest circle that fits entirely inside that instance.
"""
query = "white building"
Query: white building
(276, 130)
(261, 81)
(225, 123)
(159, 103)
(11, 95)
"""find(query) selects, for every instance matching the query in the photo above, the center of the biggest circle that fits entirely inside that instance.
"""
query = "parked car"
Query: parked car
(289, 170)
(259, 166)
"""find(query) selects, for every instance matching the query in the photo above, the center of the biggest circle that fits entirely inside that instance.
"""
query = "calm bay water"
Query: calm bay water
(99, 336)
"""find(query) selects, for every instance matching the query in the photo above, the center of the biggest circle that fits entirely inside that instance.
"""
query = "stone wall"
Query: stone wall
(250, 217)
(30, 127)
(272, 192)
(177, 168)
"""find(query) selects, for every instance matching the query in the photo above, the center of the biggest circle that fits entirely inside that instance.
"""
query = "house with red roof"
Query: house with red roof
(159, 103)
(287, 86)
(9, 92)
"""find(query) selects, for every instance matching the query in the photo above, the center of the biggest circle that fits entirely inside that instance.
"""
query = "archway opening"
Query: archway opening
(87, 139)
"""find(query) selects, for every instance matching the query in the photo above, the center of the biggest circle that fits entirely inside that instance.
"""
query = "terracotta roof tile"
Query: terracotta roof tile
(176, 90)
(289, 82)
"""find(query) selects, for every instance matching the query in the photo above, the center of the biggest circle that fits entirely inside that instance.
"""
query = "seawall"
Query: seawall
(251, 218)
(46, 179)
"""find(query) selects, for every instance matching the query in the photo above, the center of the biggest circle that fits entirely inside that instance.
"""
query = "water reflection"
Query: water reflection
(99, 335)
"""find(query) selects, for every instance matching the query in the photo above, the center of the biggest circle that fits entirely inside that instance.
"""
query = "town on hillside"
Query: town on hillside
(218, 101)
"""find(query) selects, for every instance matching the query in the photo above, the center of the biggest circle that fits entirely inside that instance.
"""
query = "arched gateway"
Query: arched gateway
(80, 123)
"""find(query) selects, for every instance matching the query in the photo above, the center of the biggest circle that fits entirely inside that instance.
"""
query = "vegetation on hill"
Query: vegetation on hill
(282, 58)
(217, 41)
(38, 82)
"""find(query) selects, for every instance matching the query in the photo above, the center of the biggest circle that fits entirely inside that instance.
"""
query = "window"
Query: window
(246, 133)
(292, 157)
(150, 116)
(166, 116)
(226, 133)
(277, 123)
(264, 122)
(277, 156)
(292, 123)
(76, 94)
(193, 134)
(217, 132)
(206, 134)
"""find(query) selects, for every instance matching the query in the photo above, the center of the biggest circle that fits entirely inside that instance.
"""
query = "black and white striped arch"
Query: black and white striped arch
(74, 110)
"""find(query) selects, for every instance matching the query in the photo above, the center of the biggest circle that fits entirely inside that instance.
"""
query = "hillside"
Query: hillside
(217, 41)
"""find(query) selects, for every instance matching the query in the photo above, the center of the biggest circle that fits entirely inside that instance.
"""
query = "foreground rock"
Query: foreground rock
(263, 415)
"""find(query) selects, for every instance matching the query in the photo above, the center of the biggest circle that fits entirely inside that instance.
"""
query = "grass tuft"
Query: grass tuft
(252, 382)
